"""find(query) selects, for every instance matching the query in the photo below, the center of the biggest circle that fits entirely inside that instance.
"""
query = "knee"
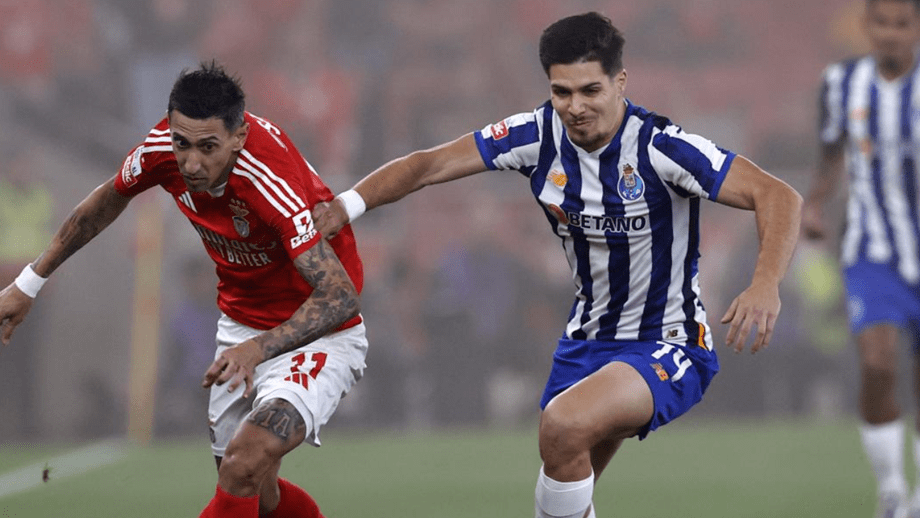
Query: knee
(562, 437)
(244, 467)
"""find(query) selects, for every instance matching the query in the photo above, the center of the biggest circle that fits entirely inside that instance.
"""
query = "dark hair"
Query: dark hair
(582, 38)
(209, 91)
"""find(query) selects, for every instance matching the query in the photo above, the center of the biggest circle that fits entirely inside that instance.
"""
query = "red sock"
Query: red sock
(295, 503)
(225, 505)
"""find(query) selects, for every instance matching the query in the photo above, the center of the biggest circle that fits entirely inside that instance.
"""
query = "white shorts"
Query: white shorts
(313, 378)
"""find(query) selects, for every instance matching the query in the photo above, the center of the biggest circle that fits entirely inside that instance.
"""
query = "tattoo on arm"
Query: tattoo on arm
(280, 418)
(85, 222)
(333, 302)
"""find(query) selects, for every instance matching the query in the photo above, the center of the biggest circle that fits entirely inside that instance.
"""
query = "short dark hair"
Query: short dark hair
(582, 38)
(209, 91)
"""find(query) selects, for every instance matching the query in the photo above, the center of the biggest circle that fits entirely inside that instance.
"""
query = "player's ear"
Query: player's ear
(620, 81)
(241, 134)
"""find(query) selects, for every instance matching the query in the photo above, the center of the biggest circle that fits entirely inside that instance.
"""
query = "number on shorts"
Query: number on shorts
(319, 360)
(682, 363)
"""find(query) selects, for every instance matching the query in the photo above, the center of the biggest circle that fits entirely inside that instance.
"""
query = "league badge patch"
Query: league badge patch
(239, 220)
(631, 186)
(499, 130)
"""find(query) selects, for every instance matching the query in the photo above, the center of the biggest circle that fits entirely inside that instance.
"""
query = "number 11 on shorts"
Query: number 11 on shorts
(319, 360)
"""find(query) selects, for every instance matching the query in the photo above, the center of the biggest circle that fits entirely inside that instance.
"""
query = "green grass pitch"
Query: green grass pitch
(689, 469)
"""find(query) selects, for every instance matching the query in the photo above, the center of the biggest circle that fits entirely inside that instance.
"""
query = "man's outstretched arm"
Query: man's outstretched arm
(99, 209)
(397, 178)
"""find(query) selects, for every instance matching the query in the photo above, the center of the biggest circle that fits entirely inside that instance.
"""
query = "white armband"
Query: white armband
(30, 282)
(354, 204)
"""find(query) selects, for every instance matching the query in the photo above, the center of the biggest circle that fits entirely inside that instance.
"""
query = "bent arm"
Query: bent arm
(90, 217)
(777, 208)
(333, 302)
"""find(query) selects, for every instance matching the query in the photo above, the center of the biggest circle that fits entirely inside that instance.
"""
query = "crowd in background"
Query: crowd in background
(462, 313)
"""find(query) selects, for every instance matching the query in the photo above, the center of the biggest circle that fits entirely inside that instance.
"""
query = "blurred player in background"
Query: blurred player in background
(290, 340)
(870, 126)
(621, 187)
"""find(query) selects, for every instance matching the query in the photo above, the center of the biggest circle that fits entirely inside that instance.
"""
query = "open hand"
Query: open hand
(756, 307)
(235, 364)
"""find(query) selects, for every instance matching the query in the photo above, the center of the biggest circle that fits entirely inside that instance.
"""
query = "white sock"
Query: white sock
(556, 499)
(884, 445)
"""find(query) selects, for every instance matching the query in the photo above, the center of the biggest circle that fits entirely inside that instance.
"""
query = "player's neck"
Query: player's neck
(894, 69)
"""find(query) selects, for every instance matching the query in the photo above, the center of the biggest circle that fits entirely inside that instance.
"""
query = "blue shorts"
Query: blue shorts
(877, 294)
(677, 374)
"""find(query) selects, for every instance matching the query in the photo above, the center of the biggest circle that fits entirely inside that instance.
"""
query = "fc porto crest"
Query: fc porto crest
(239, 219)
(631, 186)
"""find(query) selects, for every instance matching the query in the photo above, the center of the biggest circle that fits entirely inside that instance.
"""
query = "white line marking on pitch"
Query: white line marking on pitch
(70, 464)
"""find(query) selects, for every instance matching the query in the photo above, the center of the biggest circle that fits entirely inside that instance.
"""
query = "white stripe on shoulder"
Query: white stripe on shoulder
(264, 172)
(153, 149)
(261, 187)
(155, 131)
(158, 140)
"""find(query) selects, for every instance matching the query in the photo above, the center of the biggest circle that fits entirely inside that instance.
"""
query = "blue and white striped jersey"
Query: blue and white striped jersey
(628, 216)
(876, 120)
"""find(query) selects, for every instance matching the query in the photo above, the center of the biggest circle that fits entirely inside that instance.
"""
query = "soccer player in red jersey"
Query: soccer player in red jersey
(290, 340)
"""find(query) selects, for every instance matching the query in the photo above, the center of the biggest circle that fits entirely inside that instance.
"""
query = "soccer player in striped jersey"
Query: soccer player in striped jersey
(291, 341)
(621, 187)
(870, 127)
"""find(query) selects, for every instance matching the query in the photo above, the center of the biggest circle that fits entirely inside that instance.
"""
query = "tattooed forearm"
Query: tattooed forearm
(280, 418)
(333, 302)
(86, 221)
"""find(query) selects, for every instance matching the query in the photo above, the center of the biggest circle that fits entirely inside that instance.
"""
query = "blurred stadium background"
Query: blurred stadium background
(466, 290)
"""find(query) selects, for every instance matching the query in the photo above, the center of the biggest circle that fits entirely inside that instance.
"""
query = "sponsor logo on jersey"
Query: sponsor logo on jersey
(233, 251)
(239, 218)
(499, 130)
(132, 167)
(303, 222)
(557, 211)
(659, 370)
(618, 224)
(558, 178)
(631, 186)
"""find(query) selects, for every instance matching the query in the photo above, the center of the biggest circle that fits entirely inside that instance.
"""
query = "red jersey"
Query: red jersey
(256, 227)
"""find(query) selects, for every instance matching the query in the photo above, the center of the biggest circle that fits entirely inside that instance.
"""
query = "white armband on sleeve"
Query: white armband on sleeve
(30, 282)
(354, 204)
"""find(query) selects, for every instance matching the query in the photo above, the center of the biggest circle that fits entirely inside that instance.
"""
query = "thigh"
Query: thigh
(614, 402)
(313, 379)
(675, 374)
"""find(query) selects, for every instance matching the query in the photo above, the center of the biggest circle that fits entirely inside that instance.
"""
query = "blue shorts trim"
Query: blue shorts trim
(677, 374)
(877, 294)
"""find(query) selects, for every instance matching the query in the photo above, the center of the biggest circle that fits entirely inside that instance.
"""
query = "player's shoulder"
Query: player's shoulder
(843, 67)
(268, 147)
(649, 118)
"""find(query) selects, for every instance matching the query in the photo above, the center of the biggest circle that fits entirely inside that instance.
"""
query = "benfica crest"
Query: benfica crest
(631, 187)
(239, 220)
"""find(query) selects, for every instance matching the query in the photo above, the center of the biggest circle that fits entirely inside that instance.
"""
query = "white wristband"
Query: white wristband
(354, 204)
(30, 282)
